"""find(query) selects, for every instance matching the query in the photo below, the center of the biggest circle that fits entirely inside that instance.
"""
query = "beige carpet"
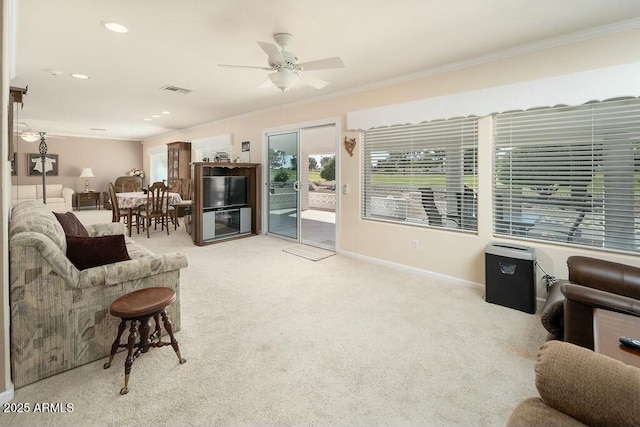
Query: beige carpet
(276, 340)
(309, 252)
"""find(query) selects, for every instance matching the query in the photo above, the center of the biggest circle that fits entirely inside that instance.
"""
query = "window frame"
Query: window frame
(422, 174)
(584, 188)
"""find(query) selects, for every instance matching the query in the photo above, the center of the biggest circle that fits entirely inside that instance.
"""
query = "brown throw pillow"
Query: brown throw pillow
(88, 252)
(71, 224)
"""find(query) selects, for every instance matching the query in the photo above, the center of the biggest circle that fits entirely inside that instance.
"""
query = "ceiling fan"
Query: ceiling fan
(285, 66)
(25, 132)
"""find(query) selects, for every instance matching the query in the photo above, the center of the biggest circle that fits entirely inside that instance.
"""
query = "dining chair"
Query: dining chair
(182, 187)
(118, 214)
(156, 208)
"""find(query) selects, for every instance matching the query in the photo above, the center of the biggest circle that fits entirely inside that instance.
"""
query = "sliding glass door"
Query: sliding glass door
(318, 186)
(301, 185)
(283, 184)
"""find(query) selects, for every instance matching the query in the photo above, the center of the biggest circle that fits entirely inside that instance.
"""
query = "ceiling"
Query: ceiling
(180, 43)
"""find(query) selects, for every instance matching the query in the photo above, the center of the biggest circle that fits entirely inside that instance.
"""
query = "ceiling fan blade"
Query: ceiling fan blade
(321, 64)
(245, 66)
(29, 136)
(313, 82)
(272, 52)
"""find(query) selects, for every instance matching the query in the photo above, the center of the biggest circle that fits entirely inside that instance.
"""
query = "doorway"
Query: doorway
(301, 181)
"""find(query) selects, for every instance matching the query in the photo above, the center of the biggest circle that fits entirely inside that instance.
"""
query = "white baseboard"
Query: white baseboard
(410, 269)
(456, 280)
(7, 395)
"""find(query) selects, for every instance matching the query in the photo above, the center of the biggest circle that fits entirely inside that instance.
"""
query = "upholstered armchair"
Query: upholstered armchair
(578, 387)
(619, 287)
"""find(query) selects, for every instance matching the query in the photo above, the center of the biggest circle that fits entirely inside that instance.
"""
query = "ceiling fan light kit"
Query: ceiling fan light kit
(284, 64)
(284, 79)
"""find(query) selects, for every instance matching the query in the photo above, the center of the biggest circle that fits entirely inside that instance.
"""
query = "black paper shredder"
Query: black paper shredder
(510, 276)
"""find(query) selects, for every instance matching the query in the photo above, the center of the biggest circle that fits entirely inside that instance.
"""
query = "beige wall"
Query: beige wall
(442, 252)
(108, 158)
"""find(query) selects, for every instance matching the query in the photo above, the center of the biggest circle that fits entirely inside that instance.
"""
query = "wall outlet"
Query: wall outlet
(415, 245)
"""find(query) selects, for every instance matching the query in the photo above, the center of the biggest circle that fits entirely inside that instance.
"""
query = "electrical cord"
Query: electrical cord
(549, 279)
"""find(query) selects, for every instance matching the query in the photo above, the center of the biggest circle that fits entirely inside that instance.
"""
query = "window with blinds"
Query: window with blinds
(158, 166)
(569, 174)
(423, 174)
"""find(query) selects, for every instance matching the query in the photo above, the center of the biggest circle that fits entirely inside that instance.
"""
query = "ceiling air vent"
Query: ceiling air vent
(176, 89)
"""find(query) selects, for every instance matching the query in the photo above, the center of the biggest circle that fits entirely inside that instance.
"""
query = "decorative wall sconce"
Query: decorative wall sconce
(349, 144)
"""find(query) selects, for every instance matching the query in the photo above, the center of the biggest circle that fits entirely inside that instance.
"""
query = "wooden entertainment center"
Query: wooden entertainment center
(204, 218)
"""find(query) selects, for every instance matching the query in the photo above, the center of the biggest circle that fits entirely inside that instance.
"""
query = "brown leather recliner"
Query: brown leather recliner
(593, 283)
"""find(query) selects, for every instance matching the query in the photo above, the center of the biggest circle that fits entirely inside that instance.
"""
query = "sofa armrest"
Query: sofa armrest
(112, 274)
(533, 412)
(67, 195)
(591, 387)
(105, 229)
(57, 259)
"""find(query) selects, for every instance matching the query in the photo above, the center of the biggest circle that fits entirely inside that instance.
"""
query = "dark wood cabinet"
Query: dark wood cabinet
(200, 213)
(178, 161)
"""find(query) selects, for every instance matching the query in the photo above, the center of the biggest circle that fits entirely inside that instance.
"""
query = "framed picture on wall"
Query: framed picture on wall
(34, 165)
(246, 147)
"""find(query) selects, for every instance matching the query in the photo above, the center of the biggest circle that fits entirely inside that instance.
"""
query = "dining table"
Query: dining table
(135, 199)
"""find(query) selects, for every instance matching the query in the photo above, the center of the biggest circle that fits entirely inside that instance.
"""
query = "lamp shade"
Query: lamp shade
(87, 173)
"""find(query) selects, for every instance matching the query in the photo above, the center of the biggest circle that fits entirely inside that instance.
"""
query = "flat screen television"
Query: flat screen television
(224, 191)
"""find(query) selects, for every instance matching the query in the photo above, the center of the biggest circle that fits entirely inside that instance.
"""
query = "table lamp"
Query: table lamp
(86, 173)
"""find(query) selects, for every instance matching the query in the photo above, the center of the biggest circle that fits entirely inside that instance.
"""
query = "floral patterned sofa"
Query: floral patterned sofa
(60, 315)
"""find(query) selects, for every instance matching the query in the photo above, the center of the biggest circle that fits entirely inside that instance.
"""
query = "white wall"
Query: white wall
(445, 252)
(6, 386)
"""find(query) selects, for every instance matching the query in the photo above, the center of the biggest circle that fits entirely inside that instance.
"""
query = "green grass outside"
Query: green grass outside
(314, 176)
(419, 180)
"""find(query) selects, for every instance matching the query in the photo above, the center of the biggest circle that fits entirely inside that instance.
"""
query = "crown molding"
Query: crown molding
(601, 31)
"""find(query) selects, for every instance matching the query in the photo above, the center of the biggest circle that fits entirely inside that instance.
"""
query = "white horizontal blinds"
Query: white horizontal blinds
(569, 174)
(418, 173)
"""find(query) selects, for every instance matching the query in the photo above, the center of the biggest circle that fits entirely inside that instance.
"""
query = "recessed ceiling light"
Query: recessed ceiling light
(115, 27)
(166, 112)
(147, 120)
(155, 116)
(79, 76)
